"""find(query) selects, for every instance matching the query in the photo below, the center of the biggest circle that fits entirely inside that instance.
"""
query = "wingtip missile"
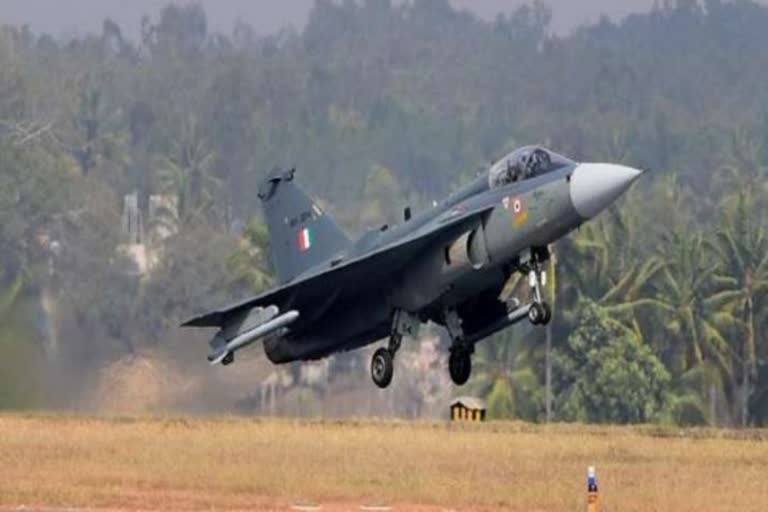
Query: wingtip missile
(251, 336)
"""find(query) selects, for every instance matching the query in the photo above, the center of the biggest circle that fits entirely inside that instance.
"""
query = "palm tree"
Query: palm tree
(504, 374)
(741, 248)
(186, 175)
(744, 167)
(601, 262)
(250, 264)
(695, 396)
(689, 307)
(97, 138)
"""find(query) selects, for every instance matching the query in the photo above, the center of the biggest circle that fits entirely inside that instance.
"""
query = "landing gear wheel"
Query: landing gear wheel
(547, 313)
(382, 367)
(460, 366)
(536, 313)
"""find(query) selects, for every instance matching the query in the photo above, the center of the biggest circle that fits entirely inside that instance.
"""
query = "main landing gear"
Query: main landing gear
(460, 360)
(539, 313)
(460, 365)
(382, 367)
(382, 362)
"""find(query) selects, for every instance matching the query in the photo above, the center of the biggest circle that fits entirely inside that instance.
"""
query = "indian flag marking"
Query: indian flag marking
(304, 237)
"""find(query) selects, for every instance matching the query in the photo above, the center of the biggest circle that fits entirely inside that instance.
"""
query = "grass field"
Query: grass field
(239, 463)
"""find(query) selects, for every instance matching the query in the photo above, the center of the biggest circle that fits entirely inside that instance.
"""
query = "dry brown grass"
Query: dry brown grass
(239, 463)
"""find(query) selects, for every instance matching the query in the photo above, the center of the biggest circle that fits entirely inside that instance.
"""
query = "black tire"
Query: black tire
(382, 368)
(460, 366)
(536, 314)
(547, 313)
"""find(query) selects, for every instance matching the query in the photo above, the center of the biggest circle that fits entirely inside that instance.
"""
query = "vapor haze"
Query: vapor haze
(85, 16)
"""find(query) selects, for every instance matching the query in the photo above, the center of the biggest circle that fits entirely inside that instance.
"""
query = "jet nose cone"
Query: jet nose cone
(594, 187)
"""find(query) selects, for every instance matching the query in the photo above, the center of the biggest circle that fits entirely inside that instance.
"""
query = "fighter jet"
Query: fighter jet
(448, 265)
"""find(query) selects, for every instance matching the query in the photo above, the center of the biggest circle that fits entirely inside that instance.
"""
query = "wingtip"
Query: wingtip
(190, 323)
(215, 359)
(209, 320)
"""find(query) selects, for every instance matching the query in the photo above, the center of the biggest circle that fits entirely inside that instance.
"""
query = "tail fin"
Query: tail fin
(301, 234)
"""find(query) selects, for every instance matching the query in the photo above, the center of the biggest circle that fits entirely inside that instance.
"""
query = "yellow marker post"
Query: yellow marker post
(591, 490)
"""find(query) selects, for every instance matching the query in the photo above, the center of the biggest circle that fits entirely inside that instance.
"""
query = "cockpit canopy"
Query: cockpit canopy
(524, 163)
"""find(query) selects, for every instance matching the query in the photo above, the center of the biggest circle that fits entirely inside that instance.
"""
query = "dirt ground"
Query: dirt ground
(229, 463)
(267, 506)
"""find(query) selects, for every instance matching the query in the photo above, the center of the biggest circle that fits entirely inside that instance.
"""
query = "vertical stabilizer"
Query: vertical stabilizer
(301, 234)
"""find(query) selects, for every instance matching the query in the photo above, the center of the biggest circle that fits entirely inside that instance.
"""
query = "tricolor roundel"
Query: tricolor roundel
(304, 239)
(519, 213)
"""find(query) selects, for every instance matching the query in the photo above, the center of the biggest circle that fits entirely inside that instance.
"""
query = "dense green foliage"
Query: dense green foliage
(605, 374)
(382, 105)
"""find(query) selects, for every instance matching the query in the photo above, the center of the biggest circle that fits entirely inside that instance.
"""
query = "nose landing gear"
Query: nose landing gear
(540, 312)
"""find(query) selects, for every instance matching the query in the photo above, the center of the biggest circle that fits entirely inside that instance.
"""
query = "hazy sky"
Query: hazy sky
(72, 17)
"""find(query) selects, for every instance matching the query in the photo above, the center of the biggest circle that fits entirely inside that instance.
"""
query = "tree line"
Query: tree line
(660, 305)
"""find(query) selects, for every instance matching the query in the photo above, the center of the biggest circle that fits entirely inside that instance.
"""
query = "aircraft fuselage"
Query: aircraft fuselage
(447, 265)
(458, 267)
